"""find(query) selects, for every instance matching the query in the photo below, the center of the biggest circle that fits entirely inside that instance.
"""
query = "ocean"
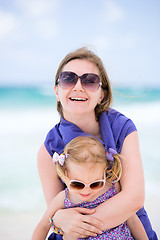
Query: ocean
(28, 113)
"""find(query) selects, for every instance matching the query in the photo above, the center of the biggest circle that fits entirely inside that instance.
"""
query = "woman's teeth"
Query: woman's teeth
(78, 99)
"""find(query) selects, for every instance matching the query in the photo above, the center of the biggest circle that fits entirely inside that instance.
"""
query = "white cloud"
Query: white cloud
(42, 14)
(102, 42)
(113, 12)
(46, 28)
(8, 23)
(129, 41)
(33, 17)
(38, 8)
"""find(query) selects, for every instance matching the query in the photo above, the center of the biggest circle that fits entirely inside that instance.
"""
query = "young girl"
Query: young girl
(91, 175)
(84, 96)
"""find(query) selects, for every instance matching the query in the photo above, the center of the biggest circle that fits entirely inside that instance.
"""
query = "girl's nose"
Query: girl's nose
(86, 190)
(78, 86)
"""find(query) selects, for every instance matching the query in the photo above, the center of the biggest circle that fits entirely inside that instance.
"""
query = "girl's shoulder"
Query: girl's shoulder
(60, 196)
(57, 201)
(117, 187)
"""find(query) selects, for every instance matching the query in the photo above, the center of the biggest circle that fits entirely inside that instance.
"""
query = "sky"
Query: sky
(35, 35)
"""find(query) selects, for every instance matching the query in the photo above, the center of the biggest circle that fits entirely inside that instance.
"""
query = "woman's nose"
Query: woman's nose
(78, 86)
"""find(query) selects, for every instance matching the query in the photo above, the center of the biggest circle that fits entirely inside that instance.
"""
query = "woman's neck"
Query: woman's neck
(87, 124)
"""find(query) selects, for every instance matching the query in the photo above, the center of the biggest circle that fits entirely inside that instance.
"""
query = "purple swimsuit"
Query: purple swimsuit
(120, 232)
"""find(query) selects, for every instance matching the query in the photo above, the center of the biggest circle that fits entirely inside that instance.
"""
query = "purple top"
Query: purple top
(114, 127)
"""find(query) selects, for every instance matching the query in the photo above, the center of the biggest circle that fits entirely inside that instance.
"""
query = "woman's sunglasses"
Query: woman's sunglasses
(78, 185)
(89, 81)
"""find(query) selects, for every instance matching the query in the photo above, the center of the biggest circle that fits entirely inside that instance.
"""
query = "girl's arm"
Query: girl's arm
(131, 198)
(42, 229)
(74, 221)
(136, 228)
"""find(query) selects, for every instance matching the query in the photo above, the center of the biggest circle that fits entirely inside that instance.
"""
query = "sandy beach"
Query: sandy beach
(19, 226)
(153, 209)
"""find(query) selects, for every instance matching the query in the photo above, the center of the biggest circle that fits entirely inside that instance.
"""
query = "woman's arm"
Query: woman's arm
(131, 198)
(136, 228)
(50, 181)
(134, 223)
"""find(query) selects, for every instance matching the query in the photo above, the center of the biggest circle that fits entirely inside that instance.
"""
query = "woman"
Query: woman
(83, 96)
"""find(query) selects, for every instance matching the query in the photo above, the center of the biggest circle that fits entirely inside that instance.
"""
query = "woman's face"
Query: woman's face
(78, 100)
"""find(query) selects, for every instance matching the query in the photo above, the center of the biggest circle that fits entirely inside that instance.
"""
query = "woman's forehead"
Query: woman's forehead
(81, 66)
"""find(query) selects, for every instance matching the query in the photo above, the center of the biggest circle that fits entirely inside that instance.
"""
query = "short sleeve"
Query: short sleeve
(47, 143)
(128, 128)
(117, 127)
(54, 141)
(121, 127)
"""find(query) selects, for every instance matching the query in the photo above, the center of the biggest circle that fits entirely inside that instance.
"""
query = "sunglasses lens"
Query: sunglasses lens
(76, 185)
(97, 185)
(67, 79)
(90, 81)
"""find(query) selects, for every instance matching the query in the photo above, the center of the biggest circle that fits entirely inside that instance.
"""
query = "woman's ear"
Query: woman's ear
(56, 92)
(101, 97)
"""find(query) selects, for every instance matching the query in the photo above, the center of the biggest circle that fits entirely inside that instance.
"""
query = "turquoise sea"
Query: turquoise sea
(27, 113)
(39, 96)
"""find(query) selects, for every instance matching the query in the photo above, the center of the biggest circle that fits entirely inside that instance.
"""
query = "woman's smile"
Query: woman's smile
(78, 99)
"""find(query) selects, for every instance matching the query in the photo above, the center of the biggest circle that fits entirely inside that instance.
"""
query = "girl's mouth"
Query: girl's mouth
(85, 195)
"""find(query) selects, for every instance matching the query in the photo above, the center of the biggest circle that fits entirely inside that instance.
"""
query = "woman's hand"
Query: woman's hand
(68, 237)
(77, 222)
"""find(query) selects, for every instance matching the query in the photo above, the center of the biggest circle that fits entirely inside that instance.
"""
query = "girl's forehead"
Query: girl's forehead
(85, 172)
(85, 167)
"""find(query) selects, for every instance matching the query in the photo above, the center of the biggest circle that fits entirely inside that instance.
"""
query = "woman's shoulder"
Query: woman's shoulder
(118, 119)
(53, 141)
(115, 127)
(113, 115)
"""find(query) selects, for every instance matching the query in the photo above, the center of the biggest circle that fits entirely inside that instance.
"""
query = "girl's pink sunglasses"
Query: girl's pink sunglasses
(78, 185)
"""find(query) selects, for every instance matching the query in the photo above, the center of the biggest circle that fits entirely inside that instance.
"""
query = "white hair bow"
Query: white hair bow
(59, 158)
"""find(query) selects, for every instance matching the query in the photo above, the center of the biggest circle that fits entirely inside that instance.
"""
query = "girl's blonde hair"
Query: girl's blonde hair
(85, 54)
(88, 149)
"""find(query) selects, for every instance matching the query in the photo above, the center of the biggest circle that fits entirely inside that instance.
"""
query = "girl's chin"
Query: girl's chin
(85, 197)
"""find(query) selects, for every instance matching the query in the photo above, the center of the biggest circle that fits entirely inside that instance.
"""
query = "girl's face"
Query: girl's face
(86, 173)
(78, 100)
